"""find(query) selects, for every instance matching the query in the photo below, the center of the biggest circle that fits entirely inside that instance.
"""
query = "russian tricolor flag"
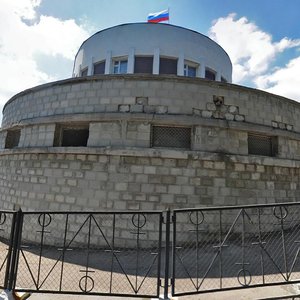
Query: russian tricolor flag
(159, 16)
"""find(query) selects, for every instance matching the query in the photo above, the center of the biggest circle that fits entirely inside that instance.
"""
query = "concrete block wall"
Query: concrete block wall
(289, 148)
(138, 134)
(105, 134)
(166, 95)
(121, 133)
(220, 140)
(112, 180)
(37, 136)
(2, 139)
(93, 181)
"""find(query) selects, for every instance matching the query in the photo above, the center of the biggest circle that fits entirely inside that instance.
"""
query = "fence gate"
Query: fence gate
(87, 253)
(228, 248)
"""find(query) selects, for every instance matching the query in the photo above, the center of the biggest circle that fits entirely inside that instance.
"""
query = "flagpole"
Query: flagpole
(169, 15)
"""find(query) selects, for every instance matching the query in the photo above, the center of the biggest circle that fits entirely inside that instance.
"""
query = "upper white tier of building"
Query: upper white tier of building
(152, 48)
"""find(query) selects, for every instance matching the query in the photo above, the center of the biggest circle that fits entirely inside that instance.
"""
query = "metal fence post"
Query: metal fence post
(167, 255)
(10, 249)
(15, 248)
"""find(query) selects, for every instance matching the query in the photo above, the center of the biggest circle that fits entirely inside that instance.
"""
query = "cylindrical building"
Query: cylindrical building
(149, 121)
(152, 49)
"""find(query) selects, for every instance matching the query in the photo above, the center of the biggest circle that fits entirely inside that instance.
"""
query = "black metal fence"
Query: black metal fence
(234, 247)
(87, 253)
(145, 254)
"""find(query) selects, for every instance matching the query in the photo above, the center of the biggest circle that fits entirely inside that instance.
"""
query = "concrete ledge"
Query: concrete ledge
(159, 153)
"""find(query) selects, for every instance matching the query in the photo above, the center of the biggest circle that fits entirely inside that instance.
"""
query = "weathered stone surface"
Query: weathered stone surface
(160, 109)
(206, 114)
(229, 116)
(124, 108)
(211, 106)
(239, 118)
(233, 109)
(142, 100)
(136, 108)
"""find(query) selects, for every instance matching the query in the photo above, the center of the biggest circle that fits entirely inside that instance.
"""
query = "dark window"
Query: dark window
(262, 145)
(71, 136)
(99, 68)
(223, 79)
(167, 66)
(84, 72)
(143, 65)
(210, 74)
(12, 138)
(171, 137)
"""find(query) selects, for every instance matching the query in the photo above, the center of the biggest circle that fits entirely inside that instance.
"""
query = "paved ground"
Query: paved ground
(278, 292)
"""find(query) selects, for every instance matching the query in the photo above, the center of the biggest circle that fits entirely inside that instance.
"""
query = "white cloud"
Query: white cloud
(23, 35)
(284, 81)
(251, 49)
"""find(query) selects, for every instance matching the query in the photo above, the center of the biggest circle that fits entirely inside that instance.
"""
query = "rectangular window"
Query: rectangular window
(171, 137)
(120, 67)
(210, 74)
(12, 138)
(143, 64)
(167, 66)
(71, 136)
(99, 67)
(189, 71)
(84, 72)
(262, 144)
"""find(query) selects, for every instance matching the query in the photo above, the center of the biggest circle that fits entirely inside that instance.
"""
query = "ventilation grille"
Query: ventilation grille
(262, 145)
(171, 137)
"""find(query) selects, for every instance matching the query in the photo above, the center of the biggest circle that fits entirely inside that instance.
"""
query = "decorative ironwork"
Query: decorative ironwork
(112, 250)
(121, 253)
(235, 247)
(2, 218)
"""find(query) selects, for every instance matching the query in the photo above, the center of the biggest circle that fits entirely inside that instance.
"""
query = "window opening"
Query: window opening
(84, 72)
(99, 68)
(12, 138)
(171, 137)
(189, 71)
(210, 74)
(143, 64)
(167, 66)
(262, 144)
(120, 67)
(71, 136)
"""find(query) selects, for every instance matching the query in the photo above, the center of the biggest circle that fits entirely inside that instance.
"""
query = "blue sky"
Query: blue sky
(39, 38)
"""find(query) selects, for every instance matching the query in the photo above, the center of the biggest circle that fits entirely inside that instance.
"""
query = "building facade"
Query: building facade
(149, 121)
